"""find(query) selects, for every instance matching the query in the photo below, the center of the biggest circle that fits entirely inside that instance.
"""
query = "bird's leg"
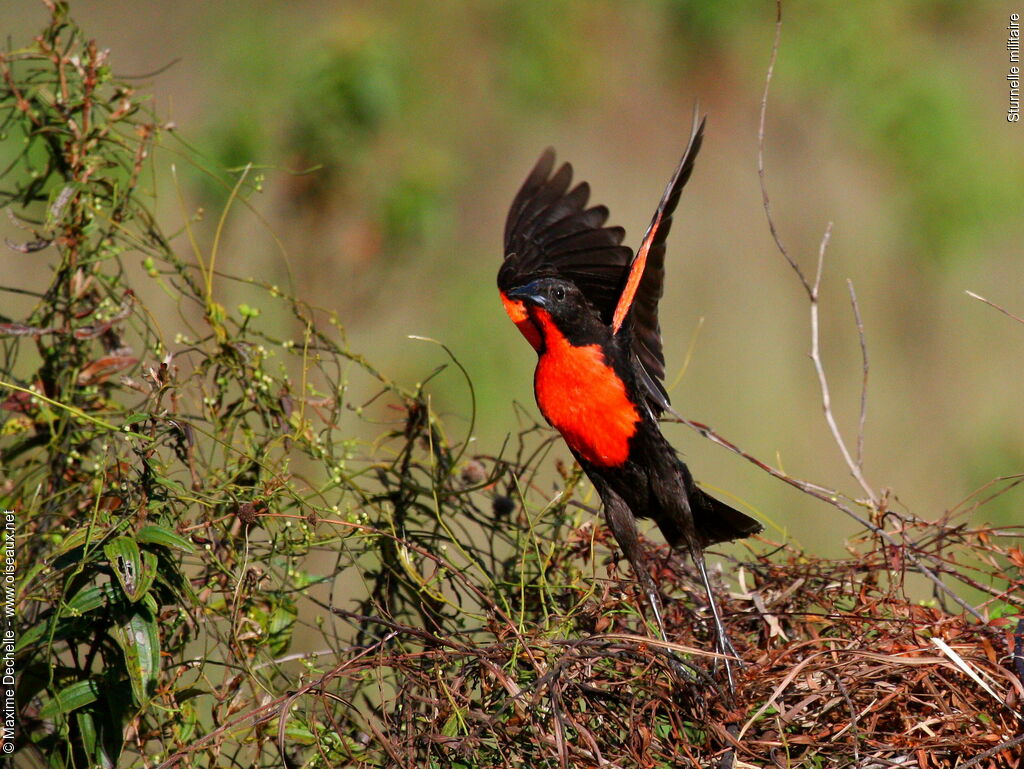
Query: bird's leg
(722, 643)
(623, 525)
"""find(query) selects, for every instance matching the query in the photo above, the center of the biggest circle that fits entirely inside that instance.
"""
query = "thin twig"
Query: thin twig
(1012, 481)
(992, 752)
(1003, 310)
(864, 380)
(760, 152)
(819, 368)
(854, 724)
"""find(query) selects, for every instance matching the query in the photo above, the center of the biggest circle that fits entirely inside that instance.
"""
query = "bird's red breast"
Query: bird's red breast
(580, 394)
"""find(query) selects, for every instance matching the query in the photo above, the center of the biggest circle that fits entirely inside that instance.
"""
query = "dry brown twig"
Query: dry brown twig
(990, 303)
(864, 379)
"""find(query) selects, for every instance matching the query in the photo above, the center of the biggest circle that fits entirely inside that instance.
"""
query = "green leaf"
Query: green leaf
(71, 697)
(101, 733)
(455, 723)
(999, 610)
(135, 569)
(91, 598)
(150, 603)
(87, 728)
(282, 622)
(79, 538)
(188, 719)
(297, 732)
(277, 622)
(170, 483)
(134, 419)
(304, 579)
(161, 535)
(31, 636)
(139, 639)
(84, 601)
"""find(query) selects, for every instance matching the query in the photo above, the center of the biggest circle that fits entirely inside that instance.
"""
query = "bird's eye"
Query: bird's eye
(558, 293)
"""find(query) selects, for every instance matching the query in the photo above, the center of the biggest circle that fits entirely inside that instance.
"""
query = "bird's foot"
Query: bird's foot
(730, 657)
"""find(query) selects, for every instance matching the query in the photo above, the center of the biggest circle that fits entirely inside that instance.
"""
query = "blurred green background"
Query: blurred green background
(389, 138)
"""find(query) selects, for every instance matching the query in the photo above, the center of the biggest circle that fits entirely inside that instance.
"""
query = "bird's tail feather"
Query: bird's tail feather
(716, 522)
(713, 522)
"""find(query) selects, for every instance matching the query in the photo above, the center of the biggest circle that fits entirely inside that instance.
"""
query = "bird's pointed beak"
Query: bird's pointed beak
(528, 293)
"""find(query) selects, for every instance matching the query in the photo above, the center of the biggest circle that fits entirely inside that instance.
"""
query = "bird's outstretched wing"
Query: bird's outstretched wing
(645, 283)
(550, 232)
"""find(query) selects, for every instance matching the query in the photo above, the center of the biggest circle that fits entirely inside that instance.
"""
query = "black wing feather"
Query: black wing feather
(551, 232)
(644, 312)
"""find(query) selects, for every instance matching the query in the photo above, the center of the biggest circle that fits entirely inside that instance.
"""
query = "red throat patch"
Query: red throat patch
(582, 397)
(517, 311)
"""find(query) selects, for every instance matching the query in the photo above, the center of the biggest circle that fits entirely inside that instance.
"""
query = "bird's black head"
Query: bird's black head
(564, 303)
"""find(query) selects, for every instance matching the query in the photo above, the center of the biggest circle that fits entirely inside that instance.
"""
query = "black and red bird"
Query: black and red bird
(589, 307)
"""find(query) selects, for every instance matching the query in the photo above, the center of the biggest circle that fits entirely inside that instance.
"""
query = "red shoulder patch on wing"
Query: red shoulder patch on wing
(636, 271)
(583, 397)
